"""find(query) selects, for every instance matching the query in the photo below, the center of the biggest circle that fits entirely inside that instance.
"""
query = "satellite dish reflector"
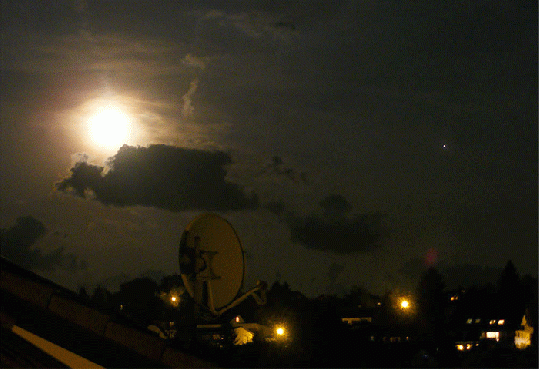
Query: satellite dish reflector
(211, 262)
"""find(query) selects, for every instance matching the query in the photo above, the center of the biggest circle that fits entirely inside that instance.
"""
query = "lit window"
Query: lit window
(492, 322)
(469, 321)
(501, 322)
(478, 320)
(460, 347)
(493, 335)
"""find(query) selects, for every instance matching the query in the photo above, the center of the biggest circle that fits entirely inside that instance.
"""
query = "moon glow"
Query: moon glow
(109, 128)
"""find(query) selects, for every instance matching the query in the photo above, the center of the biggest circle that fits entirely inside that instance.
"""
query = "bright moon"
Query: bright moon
(109, 128)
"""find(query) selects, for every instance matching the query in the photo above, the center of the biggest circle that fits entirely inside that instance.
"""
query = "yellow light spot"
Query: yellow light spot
(280, 331)
(173, 298)
(405, 304)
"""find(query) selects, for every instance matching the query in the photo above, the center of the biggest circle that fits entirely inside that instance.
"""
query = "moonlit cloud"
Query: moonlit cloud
(188, 109)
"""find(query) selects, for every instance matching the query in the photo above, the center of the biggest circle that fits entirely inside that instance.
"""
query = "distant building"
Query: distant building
(523, 336)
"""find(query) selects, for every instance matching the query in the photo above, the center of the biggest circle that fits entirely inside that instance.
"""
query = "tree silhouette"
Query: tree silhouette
(139, 300)
(431, 303)
(509, 294)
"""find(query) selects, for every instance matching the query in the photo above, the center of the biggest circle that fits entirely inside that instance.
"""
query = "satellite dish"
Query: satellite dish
(211, 262)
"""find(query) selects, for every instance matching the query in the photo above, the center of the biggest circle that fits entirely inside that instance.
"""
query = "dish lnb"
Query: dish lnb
(212, 265)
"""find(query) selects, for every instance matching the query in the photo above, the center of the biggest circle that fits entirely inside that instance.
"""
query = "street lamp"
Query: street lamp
(405, 304)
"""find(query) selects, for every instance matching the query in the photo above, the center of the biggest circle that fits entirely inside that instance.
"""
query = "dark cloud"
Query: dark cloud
(336, 232)
(17, 244)
(277, 168)
(161, 176)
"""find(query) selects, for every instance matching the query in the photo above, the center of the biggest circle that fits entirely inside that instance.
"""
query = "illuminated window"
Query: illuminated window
(493, 321)
(469, 321)
(493, 335)
(478, 320)
(501, 322)
(460, 347)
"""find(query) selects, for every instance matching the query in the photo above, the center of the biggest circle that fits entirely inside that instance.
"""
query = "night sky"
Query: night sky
(347, 142)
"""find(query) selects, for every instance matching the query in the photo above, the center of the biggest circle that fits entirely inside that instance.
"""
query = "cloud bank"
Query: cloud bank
(161, 176)
(334, 230)
(17, 245)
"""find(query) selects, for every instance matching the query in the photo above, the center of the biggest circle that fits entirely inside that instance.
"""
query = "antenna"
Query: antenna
(212, 265)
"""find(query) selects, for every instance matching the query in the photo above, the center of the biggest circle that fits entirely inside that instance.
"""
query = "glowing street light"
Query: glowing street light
(174, 300)
(405, 304)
